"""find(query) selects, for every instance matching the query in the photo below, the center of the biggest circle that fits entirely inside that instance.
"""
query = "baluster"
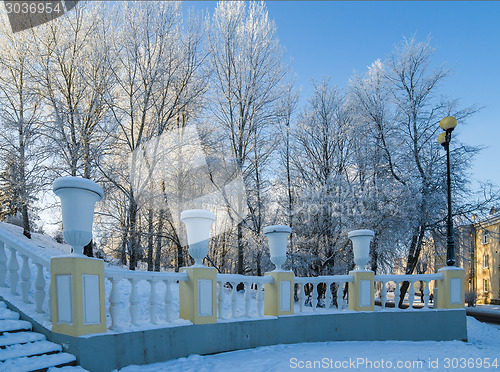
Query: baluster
(3, 265)
(340, 295)
(233, 300)
(314, 298)
(302, 297)
(411, 294)
(39, 293)
(168, 301)
(114, 303)
(13, 267)
(220, 299)
(426, 294)
(383, 294)
(49, 300)
(247, 298)
(133, 301)
(258, 298)
(397, 293)
(328, 295)
(25, 279)
(152, 302)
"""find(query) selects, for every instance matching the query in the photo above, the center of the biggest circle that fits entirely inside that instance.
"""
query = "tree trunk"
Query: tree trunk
(180, 257)
(374, 256)
(26, 222)
(413, 255)
(133, 236)
(150, 240)
(157, 259)
(123, 245)
(87, 250)
(240, 249)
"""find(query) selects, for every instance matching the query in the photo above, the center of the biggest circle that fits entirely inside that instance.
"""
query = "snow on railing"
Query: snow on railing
(424, 279)
(10, 248)
(312, 283)
(253, 292)
(135, 278)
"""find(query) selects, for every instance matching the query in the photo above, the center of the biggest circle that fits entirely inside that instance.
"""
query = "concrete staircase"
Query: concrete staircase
(24, 350)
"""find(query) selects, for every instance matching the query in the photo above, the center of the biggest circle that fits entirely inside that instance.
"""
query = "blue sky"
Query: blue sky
(335, 39)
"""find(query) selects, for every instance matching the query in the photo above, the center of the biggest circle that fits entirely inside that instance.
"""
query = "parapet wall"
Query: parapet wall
(106, 352)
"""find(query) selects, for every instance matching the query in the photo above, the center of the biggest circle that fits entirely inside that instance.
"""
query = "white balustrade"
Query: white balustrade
(339, 280)
(165, 279)
(227, 295)
(230, 303)
(12, 247)
(413, 280)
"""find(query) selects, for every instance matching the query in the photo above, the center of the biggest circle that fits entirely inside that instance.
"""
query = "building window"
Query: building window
(486, 261)
(486, 285)
(485, 237)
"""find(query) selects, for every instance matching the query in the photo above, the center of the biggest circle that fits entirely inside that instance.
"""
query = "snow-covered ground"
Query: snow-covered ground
(482, 350)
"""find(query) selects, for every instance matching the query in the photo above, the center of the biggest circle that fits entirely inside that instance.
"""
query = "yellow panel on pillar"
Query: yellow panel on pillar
(451, 288)
(278, 295)
(361, 294)
(197, 295)
(77, 287)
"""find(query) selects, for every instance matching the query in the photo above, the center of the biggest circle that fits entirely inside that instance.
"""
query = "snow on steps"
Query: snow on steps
(23, 350)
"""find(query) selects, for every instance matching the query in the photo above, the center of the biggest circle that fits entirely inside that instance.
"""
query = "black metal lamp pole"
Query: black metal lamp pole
(448, 124)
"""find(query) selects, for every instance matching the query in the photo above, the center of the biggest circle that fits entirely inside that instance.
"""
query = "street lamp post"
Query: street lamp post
(448, 124)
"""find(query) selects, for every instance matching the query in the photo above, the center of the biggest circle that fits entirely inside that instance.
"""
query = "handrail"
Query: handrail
(323, 279)
(408, 278)
(145, 275)
(244, 278)
(23, 248)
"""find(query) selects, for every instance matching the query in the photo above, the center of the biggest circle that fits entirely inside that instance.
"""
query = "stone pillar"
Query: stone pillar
(278, 295)
(197, 295)
(361, 291)
(77, 287)
(451, 288)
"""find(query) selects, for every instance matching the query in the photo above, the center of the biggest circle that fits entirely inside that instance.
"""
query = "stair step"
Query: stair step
(37, 363)
(29, 349)
(14, 326)
(20, 338)
(3, 305)
(67, 369)
(8, 314)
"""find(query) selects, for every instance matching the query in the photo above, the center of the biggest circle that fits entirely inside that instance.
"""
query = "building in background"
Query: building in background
(484, 273)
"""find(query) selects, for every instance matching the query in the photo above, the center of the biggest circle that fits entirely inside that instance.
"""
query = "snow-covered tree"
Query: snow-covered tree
(158, 75)
(248, 71)
(21, 151)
